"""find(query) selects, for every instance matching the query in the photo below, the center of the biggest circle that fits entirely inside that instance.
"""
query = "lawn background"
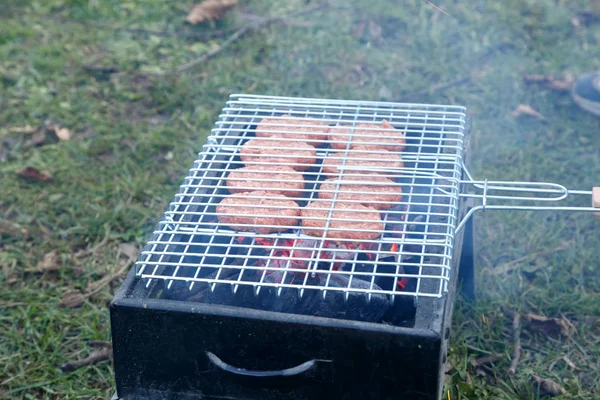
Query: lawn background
(75, 64)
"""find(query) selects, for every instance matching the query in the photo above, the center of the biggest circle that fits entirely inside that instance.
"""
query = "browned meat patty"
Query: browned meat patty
(301, 154)
(349, 221)
(275, 179)
(260, 211)
(382, 195)
(310, 130)
(357, 157)
(380, 136)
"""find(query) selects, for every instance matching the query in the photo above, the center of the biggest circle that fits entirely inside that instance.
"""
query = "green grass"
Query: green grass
(134, 138)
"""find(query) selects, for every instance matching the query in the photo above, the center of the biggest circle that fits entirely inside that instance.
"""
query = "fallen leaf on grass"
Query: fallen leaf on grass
(477, 362)
(129, 250)
(12, 304)
(559, 85)
(548, 387)
(37, 139)
(49, 263)
(525, 109)
(34, 175)
(209, 10)
(72, 299)
(47, 133)
(548, 326)
(104, 353)
(535, 78)
(21, 129)
(12, 228)
(62, 133)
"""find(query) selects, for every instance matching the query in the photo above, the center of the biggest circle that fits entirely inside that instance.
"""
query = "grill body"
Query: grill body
(167, 347)
(161, 351)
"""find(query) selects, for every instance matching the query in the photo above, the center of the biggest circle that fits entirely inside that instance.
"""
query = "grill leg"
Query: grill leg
(466, 271)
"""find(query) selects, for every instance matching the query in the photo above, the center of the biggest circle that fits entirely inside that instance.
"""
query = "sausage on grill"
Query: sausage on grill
(258, 211)
(348, 221)
(307, 130)
(375, 191)
(360, 156)
(367, 135)
(274, 179)
(298, 155)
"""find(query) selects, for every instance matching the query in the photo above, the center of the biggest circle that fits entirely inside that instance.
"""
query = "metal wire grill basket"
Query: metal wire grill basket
(383, 181)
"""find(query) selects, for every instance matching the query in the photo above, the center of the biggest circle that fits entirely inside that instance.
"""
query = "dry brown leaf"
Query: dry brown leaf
(21, 129)
(209, 10)
(548, 326)
(12, 228)
(548, 387)
(525, 109)
(47, 133)
(37, 139)
(62, 133)
(34, 175)
(559, 85)
(477, 362)
(129, 250)
(535, 78)
(72, 299)
(49, 263)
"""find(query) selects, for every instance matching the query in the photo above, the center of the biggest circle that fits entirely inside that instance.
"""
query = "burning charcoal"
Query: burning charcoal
(288, 301)
(358, 306)
(311, 303)
(224, 295)
(333, 305)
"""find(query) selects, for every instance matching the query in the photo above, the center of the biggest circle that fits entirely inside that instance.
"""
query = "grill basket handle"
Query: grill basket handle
(544, 192)
(297, 370)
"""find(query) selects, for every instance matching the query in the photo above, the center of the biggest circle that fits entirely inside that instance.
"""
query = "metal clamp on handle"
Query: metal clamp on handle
(510, 191)
(297, 370)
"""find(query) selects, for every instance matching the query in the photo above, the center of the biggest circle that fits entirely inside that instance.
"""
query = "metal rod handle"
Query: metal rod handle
(542, 191)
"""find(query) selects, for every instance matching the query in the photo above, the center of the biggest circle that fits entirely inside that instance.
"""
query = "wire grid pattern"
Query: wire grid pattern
(408, 253)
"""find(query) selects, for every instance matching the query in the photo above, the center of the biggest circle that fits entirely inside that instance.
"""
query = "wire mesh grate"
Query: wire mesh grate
(312, 194)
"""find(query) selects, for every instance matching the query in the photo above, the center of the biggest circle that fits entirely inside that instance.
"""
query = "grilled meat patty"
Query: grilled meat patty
(362, 157)
(274, 179)
(348, 221)
(376, 191)
(307, 130)
(258, 211)
(367, 135)
(298, 155)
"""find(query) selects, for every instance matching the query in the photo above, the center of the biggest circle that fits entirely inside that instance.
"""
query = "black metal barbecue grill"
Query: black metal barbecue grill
(342, 302)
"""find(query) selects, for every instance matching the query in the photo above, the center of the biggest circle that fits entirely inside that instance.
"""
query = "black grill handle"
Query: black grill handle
(297, 370)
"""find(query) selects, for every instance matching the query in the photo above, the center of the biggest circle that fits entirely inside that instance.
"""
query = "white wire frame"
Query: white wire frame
(193, 245)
